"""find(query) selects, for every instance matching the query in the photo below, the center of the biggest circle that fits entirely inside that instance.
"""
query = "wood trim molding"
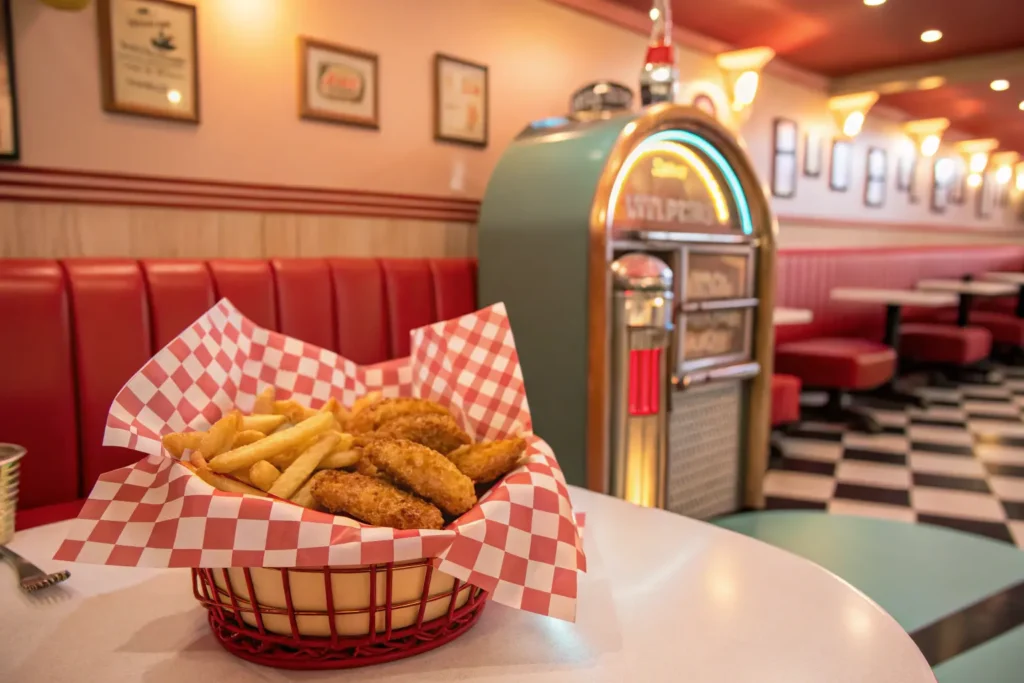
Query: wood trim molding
(814, 222)
(67, 186)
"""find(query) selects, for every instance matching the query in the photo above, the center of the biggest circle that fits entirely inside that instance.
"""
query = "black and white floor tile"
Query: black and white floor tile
(958, 463)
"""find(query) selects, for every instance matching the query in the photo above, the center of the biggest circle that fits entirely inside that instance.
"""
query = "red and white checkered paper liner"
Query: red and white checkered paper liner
(521, 543)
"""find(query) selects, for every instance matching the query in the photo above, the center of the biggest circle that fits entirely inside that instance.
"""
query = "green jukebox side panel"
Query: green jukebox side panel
(533, 245)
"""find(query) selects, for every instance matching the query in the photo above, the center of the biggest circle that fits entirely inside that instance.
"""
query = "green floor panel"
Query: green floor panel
(1000, 660)
(916, 572)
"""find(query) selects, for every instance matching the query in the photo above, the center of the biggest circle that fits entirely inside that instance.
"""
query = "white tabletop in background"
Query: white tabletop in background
(1000, 276)
(970, 287)
(895, 297)
(666, 599)
(791, 316)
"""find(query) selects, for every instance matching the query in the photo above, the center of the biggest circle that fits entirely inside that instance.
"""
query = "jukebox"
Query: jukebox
(635, 256)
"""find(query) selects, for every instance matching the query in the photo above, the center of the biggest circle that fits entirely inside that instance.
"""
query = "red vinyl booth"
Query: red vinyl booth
(78, 329)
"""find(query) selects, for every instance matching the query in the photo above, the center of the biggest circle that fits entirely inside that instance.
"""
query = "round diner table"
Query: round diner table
(967, 290)
(1016, 279)
(666, 598)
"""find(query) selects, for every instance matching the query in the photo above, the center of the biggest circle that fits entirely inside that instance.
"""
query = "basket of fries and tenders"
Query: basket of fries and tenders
(336, 515)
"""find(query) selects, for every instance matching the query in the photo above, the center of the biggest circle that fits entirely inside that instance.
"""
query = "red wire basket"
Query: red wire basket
(335, 618)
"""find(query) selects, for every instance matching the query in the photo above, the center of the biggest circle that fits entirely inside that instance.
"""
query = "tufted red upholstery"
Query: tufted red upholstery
(1005, 328)
(840, 363)
(946, 344)
(83, 327)
(37, 384)
(785, 399)
(806, 276)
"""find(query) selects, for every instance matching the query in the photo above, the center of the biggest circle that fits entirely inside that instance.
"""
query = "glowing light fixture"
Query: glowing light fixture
(931, 36)
(976, 152)
(874, 3)
(1003, 163)
(742, 72)
(974, 180)
(1003, 174)
(1000, 84)
(655, 13)
(1020, 177)
(850, 111)
(927, 134)
(1021, 105)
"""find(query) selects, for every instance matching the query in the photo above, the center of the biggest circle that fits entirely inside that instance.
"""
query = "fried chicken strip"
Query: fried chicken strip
(423, 471)
(373, 501)
(433, 430)
(485, 462)
(383, 411)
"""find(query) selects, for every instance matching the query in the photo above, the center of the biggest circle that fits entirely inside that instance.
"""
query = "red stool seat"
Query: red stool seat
(785, 399)
(947, 344)
(837, 363)
(1005, 328)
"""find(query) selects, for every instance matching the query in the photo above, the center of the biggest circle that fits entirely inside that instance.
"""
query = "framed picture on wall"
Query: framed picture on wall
(943, 177)
(905, 170)
(784, 164)
(8, 92)
(338, 84)
(149, 61)
(958, 183)
(877, 176)
(812, 154)
(839, 169)
(986, 196)
(461, 103)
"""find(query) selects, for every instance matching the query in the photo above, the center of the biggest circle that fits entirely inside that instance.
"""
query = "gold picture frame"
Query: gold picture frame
(149, 58)
(461, 101)
(338, 84)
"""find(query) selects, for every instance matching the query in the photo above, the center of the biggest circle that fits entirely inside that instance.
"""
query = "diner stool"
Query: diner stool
(785, 408)
(839, 366)
(949, 349)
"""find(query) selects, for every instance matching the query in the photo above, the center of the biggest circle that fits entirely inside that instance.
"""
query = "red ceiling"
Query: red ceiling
(840, 37)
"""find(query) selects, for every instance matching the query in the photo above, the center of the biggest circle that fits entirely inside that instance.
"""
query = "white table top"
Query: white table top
(896, 297)
(666, 598)
(791, 316)
(1010, 277)
(975, 287)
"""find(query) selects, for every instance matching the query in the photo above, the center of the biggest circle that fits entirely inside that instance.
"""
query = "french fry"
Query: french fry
(262, 423)
(293, 410)
(219, 437)
(226, 484)
(275, 444)
(244, 438)
(265, 402)
(329, 406)
(342, 415)
(242, 476)
(179, 442)
(198, 461)
(283, 460)
(262, 475)
(366, 401)
(304, 466)
(304, 496)
(339, 459)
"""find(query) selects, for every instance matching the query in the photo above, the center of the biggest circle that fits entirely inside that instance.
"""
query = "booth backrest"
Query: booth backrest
(76, 330)
(806, 277)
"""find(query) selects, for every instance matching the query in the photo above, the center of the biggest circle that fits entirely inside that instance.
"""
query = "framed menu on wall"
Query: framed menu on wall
(461, 106)
(149, 59)
(338, 84)
(812, 154)
(877, 176)
(839, 172)
(8, 92)
(784, 166)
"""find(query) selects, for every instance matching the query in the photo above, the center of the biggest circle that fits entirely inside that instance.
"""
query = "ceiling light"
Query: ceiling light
(974, 180)
(976, 152)
(978, 162)
(1021, 105)
(655, 13)
(931, 36)
(1004, 174)
(874, 3)
(741, 70)
(851, 110)
(1000, 85)
(927, 134)
(1020, 177)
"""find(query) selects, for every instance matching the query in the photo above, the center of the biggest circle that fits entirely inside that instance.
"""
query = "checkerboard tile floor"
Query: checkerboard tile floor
(958, 463)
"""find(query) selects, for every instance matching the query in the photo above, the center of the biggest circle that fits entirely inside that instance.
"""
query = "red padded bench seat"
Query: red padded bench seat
(942, 343)
(1005, 328)
(837, 363)
(83, 326)
(785, 399)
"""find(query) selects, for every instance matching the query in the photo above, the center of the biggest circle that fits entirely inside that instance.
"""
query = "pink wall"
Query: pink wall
(538, 53)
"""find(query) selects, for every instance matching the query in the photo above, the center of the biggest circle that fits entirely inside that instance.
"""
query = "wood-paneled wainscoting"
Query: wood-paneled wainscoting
(50, 213)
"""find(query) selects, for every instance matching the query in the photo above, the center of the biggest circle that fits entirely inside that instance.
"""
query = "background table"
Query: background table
(894, 300)
(791, 316)
(1016, 279)
(666, 599)
(967, 290)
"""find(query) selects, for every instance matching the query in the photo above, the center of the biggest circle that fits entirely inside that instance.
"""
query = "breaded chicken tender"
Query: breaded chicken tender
(423, 471)
(380, 413)
(485, 462)
(433, 430)
(373, 500)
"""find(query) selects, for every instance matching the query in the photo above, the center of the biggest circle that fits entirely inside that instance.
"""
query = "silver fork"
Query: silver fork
(32, 577)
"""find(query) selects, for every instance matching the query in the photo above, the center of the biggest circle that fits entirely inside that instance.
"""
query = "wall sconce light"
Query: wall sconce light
(742, 72)
(1003, 163)
(1020, 177)
(926, 134)
(975, 153)
(850, 111)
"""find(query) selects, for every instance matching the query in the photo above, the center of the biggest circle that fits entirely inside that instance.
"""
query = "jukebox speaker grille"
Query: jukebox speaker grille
(703, 466)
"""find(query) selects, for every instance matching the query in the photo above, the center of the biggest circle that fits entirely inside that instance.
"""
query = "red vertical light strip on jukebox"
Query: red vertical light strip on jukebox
(644, 381)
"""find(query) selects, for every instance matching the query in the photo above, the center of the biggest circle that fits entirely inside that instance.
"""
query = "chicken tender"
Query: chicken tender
(373, 501)
(380, 413)
(423, 471)
(485, 462)
(433, 430)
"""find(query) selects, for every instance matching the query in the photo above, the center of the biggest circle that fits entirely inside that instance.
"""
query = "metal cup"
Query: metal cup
(10, 456)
